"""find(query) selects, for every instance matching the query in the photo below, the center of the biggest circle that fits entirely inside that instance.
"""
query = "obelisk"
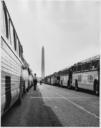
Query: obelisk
(43, 63)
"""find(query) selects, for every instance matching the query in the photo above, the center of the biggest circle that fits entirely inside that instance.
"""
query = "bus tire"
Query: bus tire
(76, 85)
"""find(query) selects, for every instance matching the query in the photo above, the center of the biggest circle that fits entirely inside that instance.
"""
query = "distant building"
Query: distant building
(43, 63)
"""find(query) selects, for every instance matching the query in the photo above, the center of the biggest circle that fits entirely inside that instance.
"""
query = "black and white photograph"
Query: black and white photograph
(50, 63)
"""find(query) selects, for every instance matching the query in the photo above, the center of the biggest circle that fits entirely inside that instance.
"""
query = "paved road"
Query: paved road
(54, 106)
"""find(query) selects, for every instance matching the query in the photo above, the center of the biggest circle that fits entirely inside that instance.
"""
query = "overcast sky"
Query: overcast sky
(68, 30)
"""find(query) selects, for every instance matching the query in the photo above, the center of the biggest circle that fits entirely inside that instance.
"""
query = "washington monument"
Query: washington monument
(43, 64)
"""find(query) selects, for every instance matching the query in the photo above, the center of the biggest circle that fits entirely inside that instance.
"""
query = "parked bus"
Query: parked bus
(85, 75)
(12, 65)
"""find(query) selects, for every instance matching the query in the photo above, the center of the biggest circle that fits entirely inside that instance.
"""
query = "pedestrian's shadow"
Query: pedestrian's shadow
(39, 114)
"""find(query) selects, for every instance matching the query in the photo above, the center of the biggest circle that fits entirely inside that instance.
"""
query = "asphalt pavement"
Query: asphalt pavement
(54, 106)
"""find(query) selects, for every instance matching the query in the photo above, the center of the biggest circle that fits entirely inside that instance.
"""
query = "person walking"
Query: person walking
(35, 81)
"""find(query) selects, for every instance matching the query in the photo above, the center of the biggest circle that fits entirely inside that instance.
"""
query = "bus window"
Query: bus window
(11, 34)
(14, 33)
(6, 22)
(20, 50)
(17, 45)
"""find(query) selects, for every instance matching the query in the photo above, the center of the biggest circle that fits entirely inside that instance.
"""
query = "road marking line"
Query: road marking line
(80, 107)
(48, 97)
(61, 97)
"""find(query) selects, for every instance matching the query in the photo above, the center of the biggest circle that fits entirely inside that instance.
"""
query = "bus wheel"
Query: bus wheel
(76, 85)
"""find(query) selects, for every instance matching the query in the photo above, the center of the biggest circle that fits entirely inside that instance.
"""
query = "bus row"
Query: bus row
(16, 75)
(84, 74)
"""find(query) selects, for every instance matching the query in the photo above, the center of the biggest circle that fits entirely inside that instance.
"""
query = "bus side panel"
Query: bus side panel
(25, 77)
(11, 68)
(85, 79)
(52, 80)
(48, 80)
(26, 84)
(64, 80)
